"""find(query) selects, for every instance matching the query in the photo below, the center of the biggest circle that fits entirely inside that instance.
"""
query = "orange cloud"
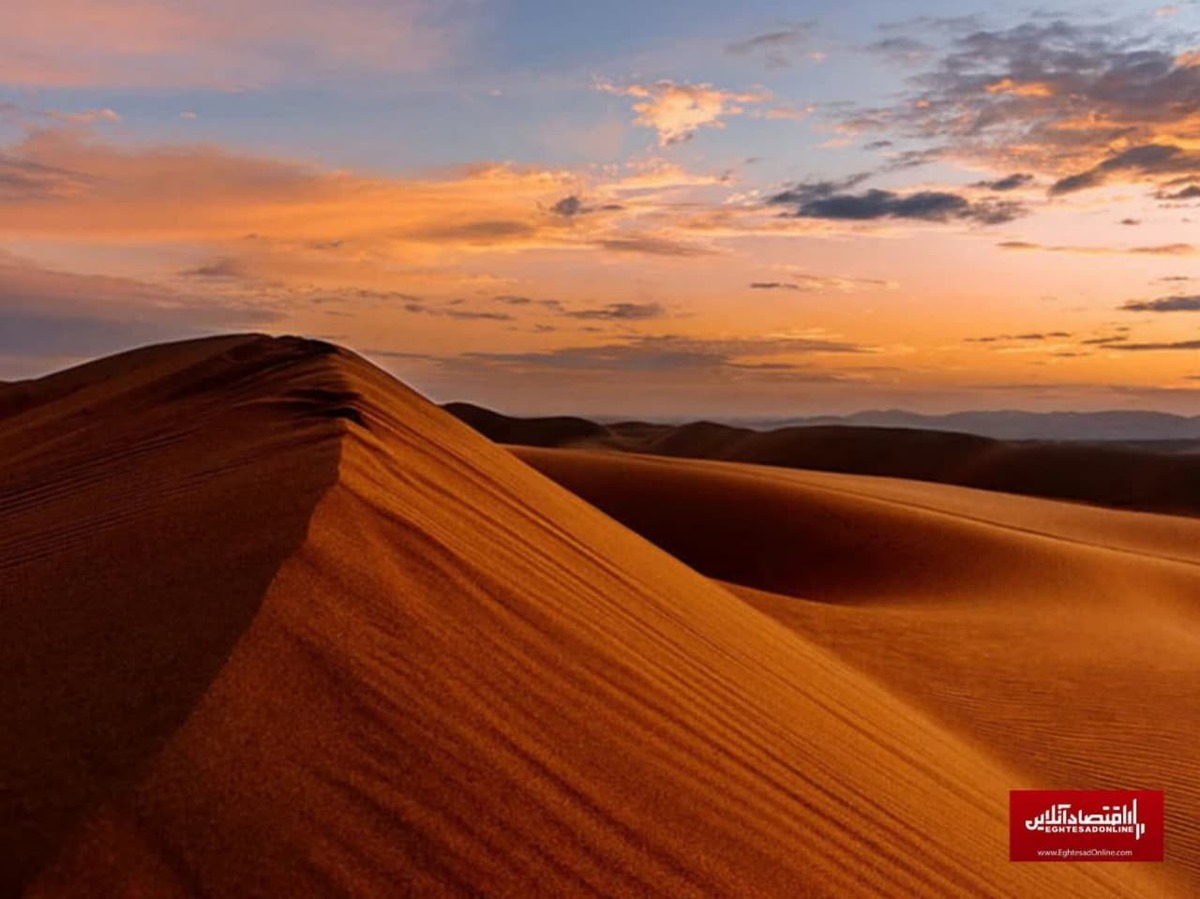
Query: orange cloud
(1068, 100)
(1019, 89)
(279, 220)
(678, 111)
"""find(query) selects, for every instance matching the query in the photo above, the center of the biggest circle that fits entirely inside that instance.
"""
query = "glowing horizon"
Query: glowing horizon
(619, 210)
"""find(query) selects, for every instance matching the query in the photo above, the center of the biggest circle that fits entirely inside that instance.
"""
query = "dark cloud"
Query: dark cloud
(1052, 95)
(651, 246)
(1130, 222)
(1021, 338)
(1012, 182)
(1147, 160)
(619, 312)
(222, 269)
(1192, 192)
(423, 308)
(807, 190)
(879, 145)
(471, 315)
(1105, 341)
(777, 48)
(901, 49)
(913, 159)
(569, 207)
(1154, 347)
(774, 285)
(22, 180)
(818, 201)
(485, 232)
(1165, 304)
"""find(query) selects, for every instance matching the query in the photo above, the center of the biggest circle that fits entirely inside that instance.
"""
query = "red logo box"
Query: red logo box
(1085, 826)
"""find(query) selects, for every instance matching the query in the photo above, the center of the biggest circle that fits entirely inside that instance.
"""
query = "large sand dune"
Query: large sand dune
(273, 625)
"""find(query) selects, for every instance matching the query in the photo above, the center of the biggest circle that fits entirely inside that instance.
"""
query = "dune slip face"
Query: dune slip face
(146, 502)
(275, 625)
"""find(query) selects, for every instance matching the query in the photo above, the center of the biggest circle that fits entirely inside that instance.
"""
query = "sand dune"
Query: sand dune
(1157, 476)
(146, 503)
(274, 625)
(1060, 639)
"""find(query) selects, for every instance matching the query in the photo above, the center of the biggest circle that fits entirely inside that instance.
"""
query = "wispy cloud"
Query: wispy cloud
(419, 307)
(218, 43)
(1157, 347)
(804, 282)
(779, 48)
(1031, 337)
(1167, 249)
(673, 353)
(269, 219)
(620, 312)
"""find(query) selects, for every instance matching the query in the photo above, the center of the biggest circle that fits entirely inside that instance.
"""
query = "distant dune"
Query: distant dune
(1150, 477)
(274, 625)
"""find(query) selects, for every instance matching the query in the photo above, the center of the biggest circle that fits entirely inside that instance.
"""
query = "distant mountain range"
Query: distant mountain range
(1016, 425)
(1109, 462)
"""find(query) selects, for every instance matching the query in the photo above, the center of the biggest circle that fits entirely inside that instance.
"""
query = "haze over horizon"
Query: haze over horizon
(672, 209)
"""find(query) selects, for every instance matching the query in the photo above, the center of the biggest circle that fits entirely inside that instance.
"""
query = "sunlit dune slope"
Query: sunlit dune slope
(456, 678)
(1062, 639)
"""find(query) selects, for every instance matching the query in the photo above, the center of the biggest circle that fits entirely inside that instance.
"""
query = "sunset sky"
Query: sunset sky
(651, 208)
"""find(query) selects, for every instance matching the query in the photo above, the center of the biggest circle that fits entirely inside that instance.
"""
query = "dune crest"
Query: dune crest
(462, 679)
(146, 503)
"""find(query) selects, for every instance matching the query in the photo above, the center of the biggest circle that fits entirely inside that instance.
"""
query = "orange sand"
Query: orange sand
(1060, 639)
(276, 626)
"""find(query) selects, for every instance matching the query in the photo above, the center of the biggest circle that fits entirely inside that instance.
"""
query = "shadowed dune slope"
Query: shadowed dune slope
(466, 681)
(1109, 475)
(1062, 639)
(146, 502)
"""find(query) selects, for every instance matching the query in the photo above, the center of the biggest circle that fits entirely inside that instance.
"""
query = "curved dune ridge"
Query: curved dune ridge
(1063, 640)
(276, 626)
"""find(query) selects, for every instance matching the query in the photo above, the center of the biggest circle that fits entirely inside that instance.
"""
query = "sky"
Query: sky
(659, 209)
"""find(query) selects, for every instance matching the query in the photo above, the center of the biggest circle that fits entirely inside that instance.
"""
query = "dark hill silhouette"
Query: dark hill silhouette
(1110, 474)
